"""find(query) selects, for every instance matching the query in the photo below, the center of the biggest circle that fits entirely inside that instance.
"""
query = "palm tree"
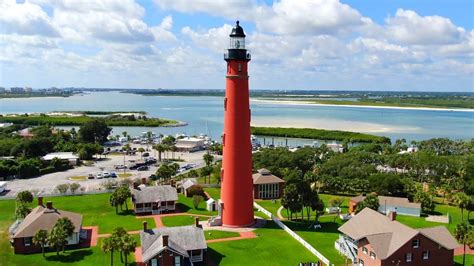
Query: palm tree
(57, 238)
(160, 148)
(462, 200)
(129, 245)
(110, 244)
(41, 239)
(141, 150)
(124, 134)
(208, 158)
(21, 210)
(114, 202)
(117, 235)
(66, 225)
(462, 236)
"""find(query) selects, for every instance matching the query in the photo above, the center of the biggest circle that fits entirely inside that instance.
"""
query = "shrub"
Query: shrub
(197, 199)
(62, 188)
(195, 190)
(73, 187)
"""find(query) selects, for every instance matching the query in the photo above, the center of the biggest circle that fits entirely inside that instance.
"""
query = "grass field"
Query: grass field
(469, 260)
(216, 234)
(186, 205)
(214, 192)
(180, 220)
(95, 210)
(273, 246)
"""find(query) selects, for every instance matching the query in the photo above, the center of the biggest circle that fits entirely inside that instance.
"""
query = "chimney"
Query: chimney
(196, 222)
(145, 225)
(135, 185)
(144, 180)
(392, 215)
(40, 201)
(165, 240)
(49, 205)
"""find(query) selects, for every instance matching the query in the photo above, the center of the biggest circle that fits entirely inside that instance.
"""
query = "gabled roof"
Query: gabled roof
(181, 239)
(189, 183)
(391, 201)
(155, 194)
(44, 218)
(264, 176)
(387, 236)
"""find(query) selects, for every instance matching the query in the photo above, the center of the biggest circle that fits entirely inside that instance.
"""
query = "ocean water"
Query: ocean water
(204, 115)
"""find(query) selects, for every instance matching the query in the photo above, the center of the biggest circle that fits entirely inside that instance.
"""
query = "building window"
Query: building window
(365, 250)
(408, 257)
(154, 262)
(27, 241)
(177, 261)
(426, 254)
(361, 262)
(268, 191)
(415, 243)
(372, 255)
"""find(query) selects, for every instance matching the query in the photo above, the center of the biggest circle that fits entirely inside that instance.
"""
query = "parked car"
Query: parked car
(142, 168)
(120, 166)
(99, 176)
(90, 176)
(106, 174)
(145, 154)
(113, 175)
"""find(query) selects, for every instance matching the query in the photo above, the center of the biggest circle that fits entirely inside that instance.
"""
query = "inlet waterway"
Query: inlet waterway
(204, 115)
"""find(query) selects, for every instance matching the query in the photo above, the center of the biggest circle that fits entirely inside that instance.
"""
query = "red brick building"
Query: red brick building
(41, 218)
(266, 185)
(173, 246)
(373, 239)
(154, 199)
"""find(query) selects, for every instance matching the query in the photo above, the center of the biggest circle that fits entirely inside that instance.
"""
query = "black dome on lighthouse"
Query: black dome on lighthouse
(237, 31)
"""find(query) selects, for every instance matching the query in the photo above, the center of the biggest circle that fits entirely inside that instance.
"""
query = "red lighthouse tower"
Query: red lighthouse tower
(236, 193)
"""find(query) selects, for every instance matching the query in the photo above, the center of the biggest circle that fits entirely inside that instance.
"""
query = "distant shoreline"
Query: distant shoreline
(309, 103)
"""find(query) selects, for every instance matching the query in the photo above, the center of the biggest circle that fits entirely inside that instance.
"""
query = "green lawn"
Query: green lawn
(273, 246)
(216, 234)
(180, 220)
(186, 205)
(214, 192)
(469, 260)
(321, 239)
(273, 207)
(95, 210)
(87, 256)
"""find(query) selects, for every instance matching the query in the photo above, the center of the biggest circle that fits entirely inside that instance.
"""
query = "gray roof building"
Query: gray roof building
(264, 176)
(154, 194)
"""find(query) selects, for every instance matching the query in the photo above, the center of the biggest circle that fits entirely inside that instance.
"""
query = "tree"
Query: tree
(291, 200)
(197, 199)
(426, 200)
(62, 188)
(371, 201)
(462, 200)
(114, 201)
(462, 234)
(141, 150)
(95, 131)
(160, 148)
(206, 171)
(470, 207)
(110, 244)
(73, 187)
(24, 196)
(21, 211)
(66, 225)
(208, 159)
(57, 238)
(129, 244)
(41, 239)
(123, 194)
(195, 190)
(117, 235)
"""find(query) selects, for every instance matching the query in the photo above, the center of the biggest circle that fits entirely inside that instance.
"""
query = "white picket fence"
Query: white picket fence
(293, 234)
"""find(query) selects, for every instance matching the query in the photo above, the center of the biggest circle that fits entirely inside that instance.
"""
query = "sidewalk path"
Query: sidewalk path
(243, 235)
(94, 234)
(460, 251)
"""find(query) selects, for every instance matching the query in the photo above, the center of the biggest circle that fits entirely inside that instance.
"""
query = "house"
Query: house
(335, 147)
(174, 246)
(387, 204)
(185, 184)
(41, 218)
(190, 144)
(266, 185)
(69, 157)
(371, 238)
(154, 199)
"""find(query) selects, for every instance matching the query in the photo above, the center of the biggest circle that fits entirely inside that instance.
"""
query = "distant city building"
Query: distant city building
(17, 90)
(190, 144)
(69, 157)
(28, 90)
(2, 90)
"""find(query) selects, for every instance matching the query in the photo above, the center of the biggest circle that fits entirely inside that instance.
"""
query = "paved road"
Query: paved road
(46, 184)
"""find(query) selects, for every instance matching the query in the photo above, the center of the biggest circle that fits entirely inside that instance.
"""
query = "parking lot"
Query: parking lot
(46, 184)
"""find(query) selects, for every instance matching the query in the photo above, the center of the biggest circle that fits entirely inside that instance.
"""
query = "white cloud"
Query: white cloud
(408, 27)
(25, 19)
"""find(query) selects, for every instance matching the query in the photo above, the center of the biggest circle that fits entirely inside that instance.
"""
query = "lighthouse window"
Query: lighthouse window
(240, 67)
(225, 104)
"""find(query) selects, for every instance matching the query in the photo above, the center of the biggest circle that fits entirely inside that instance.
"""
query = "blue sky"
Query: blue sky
(304, 44)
